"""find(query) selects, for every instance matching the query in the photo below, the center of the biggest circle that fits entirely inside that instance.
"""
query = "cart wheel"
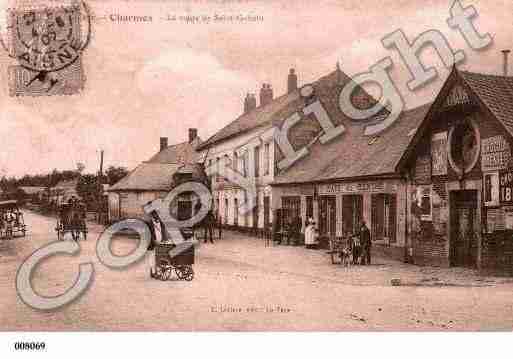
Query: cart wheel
(157, 274)
(185, 272)
(166, 274)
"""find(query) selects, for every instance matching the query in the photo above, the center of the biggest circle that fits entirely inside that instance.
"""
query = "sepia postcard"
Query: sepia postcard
(251, 165)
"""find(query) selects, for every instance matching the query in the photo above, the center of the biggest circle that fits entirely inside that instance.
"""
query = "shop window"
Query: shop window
(291, 208)
(383, 217)
(309, 207)
(236, 211)
(327, 215)
(352, 213)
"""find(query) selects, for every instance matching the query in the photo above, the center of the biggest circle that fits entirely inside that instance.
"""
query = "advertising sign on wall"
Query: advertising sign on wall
(356, 187)
(495, 153)
(491, 189)
(439, 154)
(423, 170)
(506, 187)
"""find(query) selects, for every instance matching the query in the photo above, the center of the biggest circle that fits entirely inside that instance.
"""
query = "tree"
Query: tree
(87, 189)
(80, 167)
(114, 174)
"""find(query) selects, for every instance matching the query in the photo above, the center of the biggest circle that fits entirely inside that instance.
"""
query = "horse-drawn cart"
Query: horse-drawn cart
(12, 223)
(72, 219)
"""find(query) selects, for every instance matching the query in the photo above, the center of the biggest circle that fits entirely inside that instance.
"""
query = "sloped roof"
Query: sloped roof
(148, 177)
(282, 107)
(181, 153)
(496, 92)
(354, 155)
(67, 183)
(32, 189)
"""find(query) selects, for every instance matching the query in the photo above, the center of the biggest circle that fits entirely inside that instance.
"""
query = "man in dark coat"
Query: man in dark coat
(366, 243)
(208, 224)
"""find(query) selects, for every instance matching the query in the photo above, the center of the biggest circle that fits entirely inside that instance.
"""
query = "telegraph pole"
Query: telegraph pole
(99, 195)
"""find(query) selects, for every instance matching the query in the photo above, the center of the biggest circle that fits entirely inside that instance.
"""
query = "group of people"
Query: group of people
(359, 243)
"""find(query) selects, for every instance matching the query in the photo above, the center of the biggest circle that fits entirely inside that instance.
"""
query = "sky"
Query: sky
(146, 80)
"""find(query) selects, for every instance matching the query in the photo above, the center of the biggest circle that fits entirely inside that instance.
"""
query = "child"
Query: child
(356, 248)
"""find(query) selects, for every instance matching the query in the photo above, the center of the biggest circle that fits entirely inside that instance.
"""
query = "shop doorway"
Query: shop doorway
(464, 228)
(267, 212)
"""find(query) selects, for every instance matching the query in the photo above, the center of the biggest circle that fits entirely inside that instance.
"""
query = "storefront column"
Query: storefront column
(339, 215)
(316, 211)
(367, 209)
(303, 213)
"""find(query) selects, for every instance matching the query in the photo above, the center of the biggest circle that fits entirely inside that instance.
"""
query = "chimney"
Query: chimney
(163, 143)
(292, 81)
(266, 94)
(249, 103)
(505, 63)
(193, 133)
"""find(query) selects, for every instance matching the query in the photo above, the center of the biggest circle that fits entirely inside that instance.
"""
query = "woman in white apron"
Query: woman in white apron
(311, 235)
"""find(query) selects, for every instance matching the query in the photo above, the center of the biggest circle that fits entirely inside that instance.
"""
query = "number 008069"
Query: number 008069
(29, 346)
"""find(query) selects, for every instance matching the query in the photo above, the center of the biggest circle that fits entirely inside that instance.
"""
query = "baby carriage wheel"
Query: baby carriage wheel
(166, 273)
(184, 272)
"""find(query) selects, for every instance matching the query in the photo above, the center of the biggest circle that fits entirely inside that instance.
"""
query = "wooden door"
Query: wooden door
(266, 212)
(464, 236)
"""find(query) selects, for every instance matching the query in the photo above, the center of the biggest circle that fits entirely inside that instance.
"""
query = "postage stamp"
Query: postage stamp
(47, 46)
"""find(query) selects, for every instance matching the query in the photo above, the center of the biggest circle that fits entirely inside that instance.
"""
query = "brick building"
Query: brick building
(155, 178)
(460, 207)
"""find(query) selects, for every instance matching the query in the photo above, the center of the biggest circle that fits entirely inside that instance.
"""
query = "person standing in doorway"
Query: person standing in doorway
(366, 243)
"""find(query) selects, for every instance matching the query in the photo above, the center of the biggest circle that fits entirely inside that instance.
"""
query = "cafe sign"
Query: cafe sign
(506, 187)
(356, 187)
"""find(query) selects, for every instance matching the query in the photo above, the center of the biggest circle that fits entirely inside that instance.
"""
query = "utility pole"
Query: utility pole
(99, 195)
(101, 164)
